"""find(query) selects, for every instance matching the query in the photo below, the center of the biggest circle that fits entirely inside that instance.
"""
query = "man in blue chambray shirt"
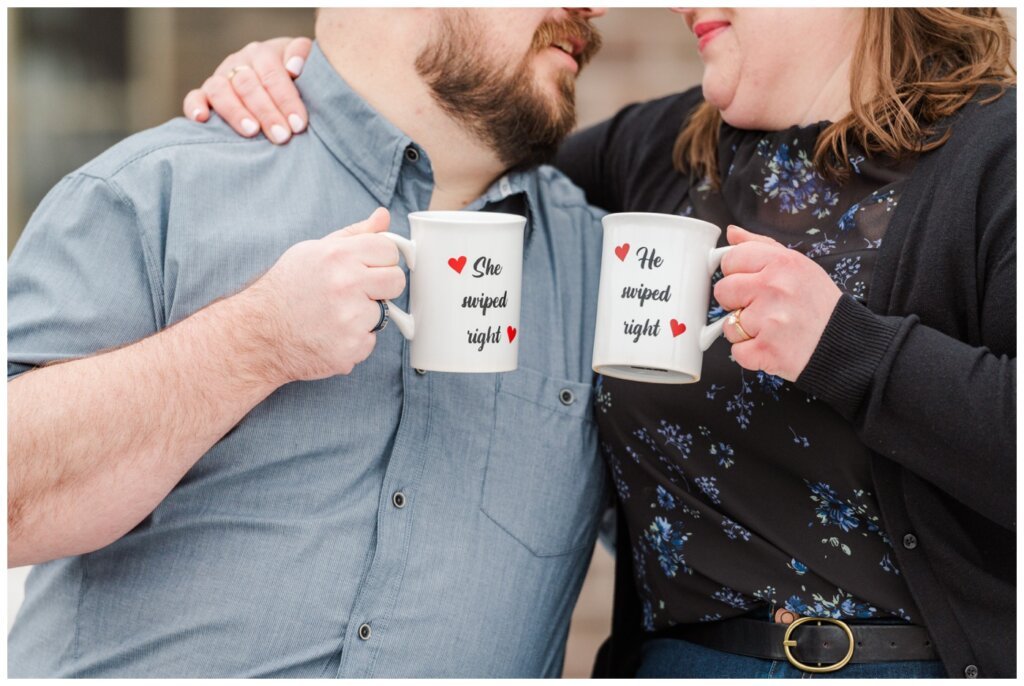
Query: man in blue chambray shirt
(226, 474)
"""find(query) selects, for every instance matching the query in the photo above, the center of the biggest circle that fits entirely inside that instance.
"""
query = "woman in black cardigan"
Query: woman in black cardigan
(849, 453)
(911, 257)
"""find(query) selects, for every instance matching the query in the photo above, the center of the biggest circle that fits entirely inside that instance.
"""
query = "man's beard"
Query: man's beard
(504, 108)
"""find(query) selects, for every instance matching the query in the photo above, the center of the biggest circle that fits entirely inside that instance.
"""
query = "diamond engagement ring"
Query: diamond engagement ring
(734, 319)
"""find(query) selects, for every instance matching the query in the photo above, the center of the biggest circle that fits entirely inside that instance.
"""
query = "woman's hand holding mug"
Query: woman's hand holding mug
(786, 300)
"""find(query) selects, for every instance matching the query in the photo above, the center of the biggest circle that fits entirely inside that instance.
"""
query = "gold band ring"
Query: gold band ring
(234, 71)
(734, 319)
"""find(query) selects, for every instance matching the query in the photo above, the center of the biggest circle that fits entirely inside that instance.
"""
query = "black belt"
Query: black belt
(810, 643)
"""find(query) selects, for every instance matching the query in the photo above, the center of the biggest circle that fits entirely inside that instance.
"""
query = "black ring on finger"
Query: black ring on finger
(383, 321)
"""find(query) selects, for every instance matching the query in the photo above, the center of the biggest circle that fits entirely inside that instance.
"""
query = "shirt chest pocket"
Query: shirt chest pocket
(544, 483)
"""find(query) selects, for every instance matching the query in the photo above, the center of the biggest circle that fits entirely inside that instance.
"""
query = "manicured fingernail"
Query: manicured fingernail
(295, 65)
(195, 114)
(295, 121)
(249, 127)
(280, 134)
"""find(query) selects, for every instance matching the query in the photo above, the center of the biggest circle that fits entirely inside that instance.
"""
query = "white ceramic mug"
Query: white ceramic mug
(653, 300)
(465, 284)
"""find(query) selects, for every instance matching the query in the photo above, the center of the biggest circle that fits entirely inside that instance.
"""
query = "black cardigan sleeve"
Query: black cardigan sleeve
(591, 158)
(616, 162)
(933, 386)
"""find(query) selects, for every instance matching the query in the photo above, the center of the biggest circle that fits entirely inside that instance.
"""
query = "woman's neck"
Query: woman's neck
(802, 102)
(799, 89)
(829, 102)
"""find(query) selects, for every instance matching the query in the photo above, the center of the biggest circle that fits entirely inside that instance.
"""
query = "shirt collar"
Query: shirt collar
(355, 133)
(520, 187)
(374, 149)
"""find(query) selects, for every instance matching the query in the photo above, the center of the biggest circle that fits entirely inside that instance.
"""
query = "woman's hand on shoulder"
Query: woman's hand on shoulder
(787, 300)
(253, 90)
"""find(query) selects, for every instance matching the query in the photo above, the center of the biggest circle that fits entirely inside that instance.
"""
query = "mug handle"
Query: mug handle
(712, 331)
(402, 319)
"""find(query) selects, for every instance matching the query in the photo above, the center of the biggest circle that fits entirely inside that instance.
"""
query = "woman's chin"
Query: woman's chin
(716, 92)
(733, 113)
(739, 119)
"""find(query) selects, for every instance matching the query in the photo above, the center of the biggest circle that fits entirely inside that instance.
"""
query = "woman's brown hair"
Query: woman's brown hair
(923, 63)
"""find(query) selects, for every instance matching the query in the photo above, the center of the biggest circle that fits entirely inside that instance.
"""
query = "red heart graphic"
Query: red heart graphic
(677, 328)
(511, 334)
(622, 251)
(457, 264)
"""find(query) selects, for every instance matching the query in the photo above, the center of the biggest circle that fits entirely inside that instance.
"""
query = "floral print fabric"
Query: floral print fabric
(741, 491)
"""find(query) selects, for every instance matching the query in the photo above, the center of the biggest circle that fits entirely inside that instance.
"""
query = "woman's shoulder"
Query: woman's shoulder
(972, 175)
(988, 121)
(980, 143)
(992, 101)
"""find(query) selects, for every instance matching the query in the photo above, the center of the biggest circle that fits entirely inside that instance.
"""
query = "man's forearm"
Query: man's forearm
(95, 444)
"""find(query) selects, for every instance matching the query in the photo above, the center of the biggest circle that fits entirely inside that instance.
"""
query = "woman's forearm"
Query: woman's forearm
(940, 407)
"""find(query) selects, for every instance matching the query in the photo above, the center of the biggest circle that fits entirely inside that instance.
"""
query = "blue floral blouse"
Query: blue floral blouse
(740, 491)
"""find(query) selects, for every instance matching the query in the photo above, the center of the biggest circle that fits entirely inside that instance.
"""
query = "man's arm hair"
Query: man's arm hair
(95, 444)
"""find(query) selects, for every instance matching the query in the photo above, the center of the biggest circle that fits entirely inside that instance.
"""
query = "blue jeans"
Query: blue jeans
(664, 658)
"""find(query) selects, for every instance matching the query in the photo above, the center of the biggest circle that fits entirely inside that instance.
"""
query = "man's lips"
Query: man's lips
(572, 48)
(577, 44)
(569, 60)
(706, 30)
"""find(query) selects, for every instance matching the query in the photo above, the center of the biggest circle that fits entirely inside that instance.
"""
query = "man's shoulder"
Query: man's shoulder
(171, 138)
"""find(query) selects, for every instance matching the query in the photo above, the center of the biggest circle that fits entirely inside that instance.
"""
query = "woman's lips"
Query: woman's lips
(707, 30)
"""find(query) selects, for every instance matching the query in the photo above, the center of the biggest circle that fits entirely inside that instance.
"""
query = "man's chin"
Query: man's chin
(560, 95)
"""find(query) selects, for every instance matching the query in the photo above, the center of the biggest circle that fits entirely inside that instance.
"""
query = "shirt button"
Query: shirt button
(421, 372)
(971, 671)
(412, 154)
(398, 499)
(364, 632)
(910, 541)
(567, 397)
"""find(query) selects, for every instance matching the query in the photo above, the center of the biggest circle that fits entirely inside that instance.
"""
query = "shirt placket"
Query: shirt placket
(369, 622)
(370, 619)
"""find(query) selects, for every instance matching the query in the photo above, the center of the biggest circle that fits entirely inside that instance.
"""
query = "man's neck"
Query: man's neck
(463, 166)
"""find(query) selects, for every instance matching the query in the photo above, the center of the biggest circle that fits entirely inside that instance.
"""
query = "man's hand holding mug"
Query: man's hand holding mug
(318, 304)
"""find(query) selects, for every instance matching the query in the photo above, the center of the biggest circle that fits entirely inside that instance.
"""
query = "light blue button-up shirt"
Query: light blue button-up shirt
(284, 551)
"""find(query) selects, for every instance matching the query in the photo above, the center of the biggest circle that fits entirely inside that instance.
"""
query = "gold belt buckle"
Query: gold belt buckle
(788, 643)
